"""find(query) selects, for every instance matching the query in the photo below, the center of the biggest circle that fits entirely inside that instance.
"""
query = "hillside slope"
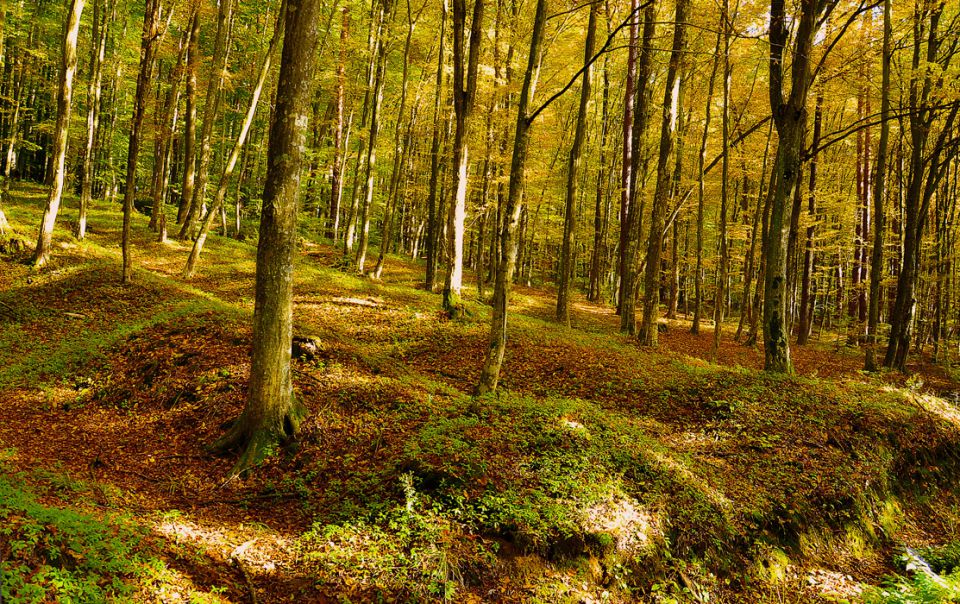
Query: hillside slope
(602, 472)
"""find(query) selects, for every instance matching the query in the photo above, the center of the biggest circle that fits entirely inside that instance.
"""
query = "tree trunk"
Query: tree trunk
(806, 306)
(231, 163)
(190, 122)
(573, 172)
(661, 198)
(624, 298)
(466, 63)
(370, 162)
(272, 415)
(210, 106)
(98, 49)
(718, 310)
(490, 376)
(789, 118)
(166, 130)
(68, 67)
(433, 227)
(339, 150)
(148, 49)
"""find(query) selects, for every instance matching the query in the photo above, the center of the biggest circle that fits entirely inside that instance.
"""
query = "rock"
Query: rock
(306, 348)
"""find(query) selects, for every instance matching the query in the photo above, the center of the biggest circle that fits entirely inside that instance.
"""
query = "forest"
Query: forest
(492, 301)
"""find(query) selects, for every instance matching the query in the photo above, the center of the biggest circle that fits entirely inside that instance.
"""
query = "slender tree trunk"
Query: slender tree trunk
(466, 63)
(625, 298)
(573, 172)
(718, 312)
(221, 194)
(336, 181)
(98, 51)
(370, 162)
(651, 293)
(210, 107)
(190, 122)
(596, 258)
(490, 376)
(167, 126)
(806, 306)
(148, 50)
(433, 227)
(272, 415)
(68, 67)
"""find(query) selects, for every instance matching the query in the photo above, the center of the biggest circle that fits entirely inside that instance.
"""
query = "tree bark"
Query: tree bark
(272, 415)
(231, 163)
(466, 63)
(148, 49)
(98, 51)
(789, 118)
(210, 106)
(573, 172)
(490, 376)
(68, 67)
(661, 197)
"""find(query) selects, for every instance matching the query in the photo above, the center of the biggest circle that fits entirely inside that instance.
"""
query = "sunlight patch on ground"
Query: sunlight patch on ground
(259, 550)
(834, 585)
(633, 527)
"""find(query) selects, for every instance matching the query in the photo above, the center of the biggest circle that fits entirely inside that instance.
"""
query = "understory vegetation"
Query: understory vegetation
(600, 471)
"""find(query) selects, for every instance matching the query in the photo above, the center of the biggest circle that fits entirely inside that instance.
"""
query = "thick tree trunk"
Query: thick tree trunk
(271, 415)
(68, 67)
(190, 122)
(573, 173)
(661, 197)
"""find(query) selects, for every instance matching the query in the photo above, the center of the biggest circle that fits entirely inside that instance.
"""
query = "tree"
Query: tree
(789, 117)
(98, 49)
(149, 41)
(272, 415)
(651, 286)
(68, 67)
(573, 171)
(466, 64)
(490, 376)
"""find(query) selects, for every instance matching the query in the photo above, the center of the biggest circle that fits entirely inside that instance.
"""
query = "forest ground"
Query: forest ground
(602, 472)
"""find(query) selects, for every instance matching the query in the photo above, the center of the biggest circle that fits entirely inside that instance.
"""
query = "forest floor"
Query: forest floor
(603, 471)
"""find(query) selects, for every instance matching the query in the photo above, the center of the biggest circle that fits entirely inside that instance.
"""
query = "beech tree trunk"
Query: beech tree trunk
(101, 25)
(190, 122)
(210, 106)
(466, 63)
(433, 228)
(490, 376)
(573, 172)
(790, 116)
(68, 67)
(231, 163)
(150, 41)
(661, 197)
(879, 190)
(272, 415)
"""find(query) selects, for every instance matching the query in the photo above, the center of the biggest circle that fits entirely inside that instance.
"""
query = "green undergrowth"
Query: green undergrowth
(51, 553)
